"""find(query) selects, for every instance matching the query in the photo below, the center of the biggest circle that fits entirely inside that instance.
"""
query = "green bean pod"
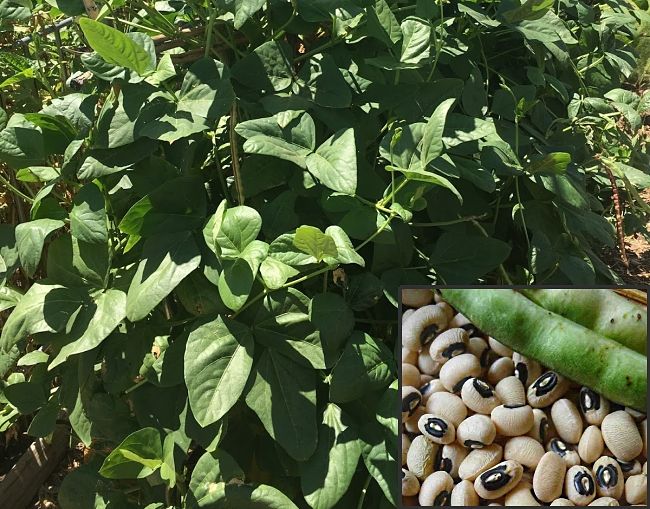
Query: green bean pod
(602, 311)
(578, 353)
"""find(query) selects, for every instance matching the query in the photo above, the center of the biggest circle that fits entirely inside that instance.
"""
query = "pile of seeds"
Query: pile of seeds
(483, 425)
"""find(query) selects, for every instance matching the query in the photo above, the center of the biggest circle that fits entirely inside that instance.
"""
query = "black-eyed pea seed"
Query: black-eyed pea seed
(437, 429)
(476, 431)
(436, 489)
(524, 450)
(409, 356)
(564, 451)
(605, 501)
(448, 344)
(511, 391)
(478, 346)
(636, 489)
(411, 424)
(406, 443)
(497, 503)
(457, 369)
(591, 444)
(449, 458)
(416, 297)
(522, 495)
(499, 347)
(427, 365)
(464, 494)
(411, 399)
(410, 375)
(593, 406)
(579, 485)
(479, 460)
(449, 311)
(539, 431)
(548, 479)
(567, 421)
(609, 477)
(421, 457)
(498, 480)
(422, 326)
(526, 370)
(447, 405)
(410, 483)
(643, 431)
(479, 396)
(424, 379)
(621, 435)
(629, 468)
(461, 321)
(512, 420)
(430, 387)
(547, 389)
(562, 501)
(500, 369)
(406, 314)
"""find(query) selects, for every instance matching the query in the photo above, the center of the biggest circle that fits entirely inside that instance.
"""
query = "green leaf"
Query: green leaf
(275, 273)
(166, 260)
(282, 323)
(283, 249)
(218, 359)
(139, 455)
(428, 177)
(459, 258)
(530, 9)
(267, 68)
(245, 496)
(206, 91)
(44, 308)
(365, 365)
(432, 144)
(44, 421)
(240, 226)
(379, 462)
(27, 397)
(237, 278)
(88, 215)
(116, 48)
(283, 396)
(345, 250)
(416, 41)
(553, 163)
(21, 143)
(212, 468)
(314, 242)
(323, 82)
(335, 162)
(84, 488)
(71, 262)
(33, 358)
(332, 316)
(30, 238)
(327, 475)
(108, 311)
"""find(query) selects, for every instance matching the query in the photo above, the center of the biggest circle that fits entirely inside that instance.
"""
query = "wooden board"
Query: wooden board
(21, 484)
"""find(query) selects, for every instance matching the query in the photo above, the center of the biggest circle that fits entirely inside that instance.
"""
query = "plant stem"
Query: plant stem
(453, 221)
(282, 29)
(318, 50)
(15, 190)
(234, 152)
(363, 492)
(379, 230)
(376, 205)
(208, 40)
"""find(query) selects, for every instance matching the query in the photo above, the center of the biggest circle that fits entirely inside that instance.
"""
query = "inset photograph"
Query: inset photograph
(523, 397)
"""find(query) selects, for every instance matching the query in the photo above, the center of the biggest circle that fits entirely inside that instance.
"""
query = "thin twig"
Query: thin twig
(234, 151)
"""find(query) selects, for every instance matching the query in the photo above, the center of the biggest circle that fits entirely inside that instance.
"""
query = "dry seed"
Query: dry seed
(479, 347)
(411, 424)
(436, 489)
(476, 431)
(406, 443)
(411, 399)
(593, 406)
(522, 495)
(448, 344)
(579, 485)
(524, 450)
(449, 458)
(562, 501)
(511, 391)
(548, 478)
(636, 489)
(430, 388)
(479, 396)
(566, 452)
(437, 429)
(410, 483)
(447, 405)
(526, 370)
(539, 431)
(422, 326)
(567, 421)
(416, 297)
(421, 456)
(409, 356)
(410, 375)
(609, 477)
(629, 468)
(591, 444)
(457, 369)
(621, 435)
(547, 389)
(427, 365)
(499, 369)
(464, 494)
(605, 501)
(499, 348)
(512, 421)
(479, 460)
(498, 480)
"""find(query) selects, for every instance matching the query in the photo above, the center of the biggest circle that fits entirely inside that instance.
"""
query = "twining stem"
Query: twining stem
(452, 221)
(620, 232)
(284, 26)
(234, 151)
(363, 492)
(379, 230)
(208, 41)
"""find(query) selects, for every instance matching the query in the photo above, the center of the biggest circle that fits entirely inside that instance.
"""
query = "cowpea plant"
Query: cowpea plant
(211, 212)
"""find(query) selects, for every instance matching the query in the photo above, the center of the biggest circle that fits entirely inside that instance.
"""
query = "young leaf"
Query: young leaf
(116, 48)
(239, 227)
(218, 359)
(432, 145)
(139, 455)
(314, 242)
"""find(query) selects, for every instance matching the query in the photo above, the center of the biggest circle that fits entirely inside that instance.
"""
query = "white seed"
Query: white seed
(526, 370)
(410, 483)
(605, 501)
(416, 297)
(499, 348)
(524, 450)
(450, 456)
(629, 468)
(410, 375)
(437, 429)
(411, 399)
(478, 346)
(406, 314)
(464, 494)
(564, 451)
(521, 495)
(579, 485)
(511, 391)
(562, 501)
(427, 365)
(421, 456)
(422, 326)
(406, 443)
(411, 423)
(539, 431)
(591, 444)
(447, 405)
(636, 489)
(431, 388)
(499, 369)
(479, 396)
(476, 431)
(609, 477)
(498, 480)
(448, 344)
(512, 421)
(567, 420)
(548, 479)
(409, 356)
(479, 460)
(547, 389)
(593, 406)
(621, 435)
(457, 369)
(436, 489)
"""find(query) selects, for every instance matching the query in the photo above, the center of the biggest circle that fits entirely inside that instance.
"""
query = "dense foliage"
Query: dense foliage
(209, 208)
